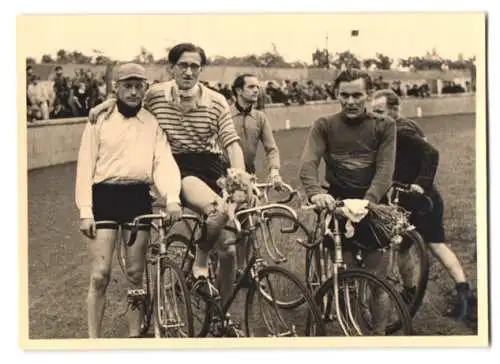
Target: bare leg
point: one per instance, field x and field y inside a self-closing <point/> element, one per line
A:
<point x="101" y="251"/>
<point x="135" y="269"/>
<point x="449" y="261"/>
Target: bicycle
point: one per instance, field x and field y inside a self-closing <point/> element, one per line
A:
<point x="329" y="278"/>
<point x="165" y="287"/>
<point x="279" y="228"/>
<point x="216" y="321"/>
<point x="414" y="249"/>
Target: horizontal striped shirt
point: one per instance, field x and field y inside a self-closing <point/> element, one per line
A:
<point x="125" y="150"/>
<point x="207" y="127"/>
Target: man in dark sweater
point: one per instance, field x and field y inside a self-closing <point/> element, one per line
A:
<point x="359" y="150"/>
<point x="358" y="147"/>
<point x="416" y="165"/>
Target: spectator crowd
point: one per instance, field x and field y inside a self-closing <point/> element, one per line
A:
<point x="63" y="96"/>
<point x="73" y="96"/>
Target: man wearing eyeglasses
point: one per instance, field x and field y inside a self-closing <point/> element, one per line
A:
<point x="199" y="129"/>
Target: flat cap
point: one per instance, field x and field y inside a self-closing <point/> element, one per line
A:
<point x="130" y="70"/>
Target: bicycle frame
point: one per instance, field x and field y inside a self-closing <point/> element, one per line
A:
<point x="337" y="262"/>
<point x="155" y="252"/>
<point x="255" y="217"/>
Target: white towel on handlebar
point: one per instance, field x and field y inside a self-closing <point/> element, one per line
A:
<point x="354" y="210"/>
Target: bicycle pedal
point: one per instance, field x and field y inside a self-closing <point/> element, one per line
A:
<point x="234" y="332"/>
<point x="205" y="288"/>
<point x="136" y="292"/>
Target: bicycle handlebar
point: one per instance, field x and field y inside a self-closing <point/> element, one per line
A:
<point x="134" y="225"/>
<point x="403" y="187"/>
<point x="260" y="209"/>
<point x="292" y="192"/>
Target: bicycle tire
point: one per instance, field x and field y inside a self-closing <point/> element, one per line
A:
<point x="418" y="242"/>
<point x="405" y="318"/>
<point x="299" y="226"/>
<point x="185" y="263"/>
<point x="148" y="310"/>
<point x="314" y="315"/>
<point x="164" y="264"/>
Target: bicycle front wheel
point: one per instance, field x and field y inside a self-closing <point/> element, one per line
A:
<point x="280" y="235"/>
<point x="358" y="303"/>
<point x="172" y="306"/>
<point x="264" y="317"/>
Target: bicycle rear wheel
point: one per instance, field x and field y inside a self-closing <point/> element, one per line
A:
<point x="264" y="317"/>
<point x="361" y="305"/>
<point x="413" y="268"/>
<point x="172" y="306"/>
<point x="182" y="253"/>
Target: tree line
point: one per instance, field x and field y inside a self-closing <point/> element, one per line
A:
<point x="319" y="59"/>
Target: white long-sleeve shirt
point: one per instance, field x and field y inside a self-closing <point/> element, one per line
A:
<point x="125" y="150"/>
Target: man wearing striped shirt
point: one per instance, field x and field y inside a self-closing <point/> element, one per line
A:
<point x="200" y="130"/>
<point x="120" y="157"/>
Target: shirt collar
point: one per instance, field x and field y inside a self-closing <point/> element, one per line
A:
<point x="202" y="100"/>
<point x="141" y="115"/>
<point x="238" y="110"/>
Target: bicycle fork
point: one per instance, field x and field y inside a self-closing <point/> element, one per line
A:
<point x="168" y="320"/>
<point x="347" y="322"/>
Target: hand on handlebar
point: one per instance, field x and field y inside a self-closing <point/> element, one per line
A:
<point x="323" y="201"/>
<point x="417" y="188"/>
<point x="277" y="182"/>
<point x="173" y="212"/>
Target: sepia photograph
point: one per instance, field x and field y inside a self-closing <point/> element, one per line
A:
<point x="259" y="180"/>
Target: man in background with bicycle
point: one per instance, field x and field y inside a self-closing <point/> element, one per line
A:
<point x="253" y="128"/>
<point x="198" y="125"/>
<point x="120" y="157"/>
<point x="416" y="164"/>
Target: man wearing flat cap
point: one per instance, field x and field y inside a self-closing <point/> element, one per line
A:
<point x="121" y="156"/>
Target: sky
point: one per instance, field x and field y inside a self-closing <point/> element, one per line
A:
<point x="295" y="36"/>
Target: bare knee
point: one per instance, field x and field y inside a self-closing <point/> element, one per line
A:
<point x="99" y="280"/>
<point x="217" y="214"/>
<point x="217" y="218"/>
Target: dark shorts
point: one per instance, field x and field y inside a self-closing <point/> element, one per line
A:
<point x="120" y="203"/>
<point x="431" y="224"/>
<point x="208" y="167"/>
